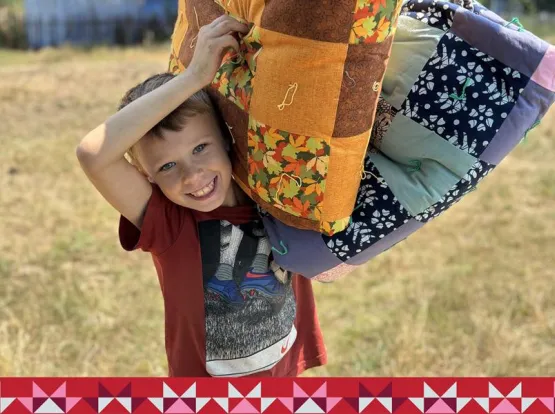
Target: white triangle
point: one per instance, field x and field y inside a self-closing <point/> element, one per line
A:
<point x="364" y="402"/>
<point x="527" y="402"/>
<point x="516" y="392"/>
<point x="103" y="402"/>
<point x="191" y="392"/>
<point x="168" y="392"/>
<point x="49" y="407"/>
<point x="494" y="392"/>
<point x="265" y="403"/>
<point x="233" y="393"/>
<point x="418" y="402"/>
<point x="461" y="402"/>
<point x="483" y="402"/>
<point x="256" y="392"/>
<point x="126" y="402"/>
<point x="310" y="407"/>
<point x="157" y="402"/>
<point x="223" y="402"/>
<point x="5" y="403"/>
<point x="429" y="393"/>
<point x="387" y="402"/>
<point x="451" y="392"/>
<point x="201" y="402"/>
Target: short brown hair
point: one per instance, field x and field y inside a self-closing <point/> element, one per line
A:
<point x="198" y="103"/>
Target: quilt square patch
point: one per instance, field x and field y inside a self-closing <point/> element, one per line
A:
<point x="464" y="95"/>
<point x="468" y="184"/>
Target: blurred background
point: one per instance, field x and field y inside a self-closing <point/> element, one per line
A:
<point x="469" y="294"/>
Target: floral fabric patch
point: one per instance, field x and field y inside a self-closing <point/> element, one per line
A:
<point x="464" y="95"/>
<point x="234" y="78"/>
<point x="374" y="20"/>
<point x="288" y="170"/>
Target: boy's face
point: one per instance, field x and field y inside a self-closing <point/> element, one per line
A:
<point x="192" y="166"/>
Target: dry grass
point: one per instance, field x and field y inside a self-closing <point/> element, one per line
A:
<point x="470" y="294"/>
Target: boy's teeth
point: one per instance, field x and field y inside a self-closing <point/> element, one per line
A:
<point x="203" y="191"/>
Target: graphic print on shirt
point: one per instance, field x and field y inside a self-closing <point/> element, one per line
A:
<point x="249" y="313"/>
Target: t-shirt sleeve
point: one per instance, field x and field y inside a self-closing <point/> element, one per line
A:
<point x="163" y="223"/>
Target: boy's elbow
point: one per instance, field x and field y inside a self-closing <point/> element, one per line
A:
<point x="86" y="155"/>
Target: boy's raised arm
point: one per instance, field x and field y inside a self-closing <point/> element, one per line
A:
<point x="101" y="153"/>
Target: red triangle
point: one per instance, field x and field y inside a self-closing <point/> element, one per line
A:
<point x="375" y="407"/>
<point x="125" y="392"/>
<point x="472" y="407"/>
<point x="136" y="402"/>
<point x="363" y="392"/>
<point x="93" y="402"/>
<point x="103" y="392"/>
<point x="37" y="402"/>
<point x="353" y="402"/>
<point x="115" y="407"/>
<point x="387" y="392"/>
<point x="397" y="402"/>
<point x="504" y="385"/>
<point x="516" y="402"/>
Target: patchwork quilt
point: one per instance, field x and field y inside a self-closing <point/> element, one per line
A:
<point x="462" y="88"/>
<point x="299" y="100"/>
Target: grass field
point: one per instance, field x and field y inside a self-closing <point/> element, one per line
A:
<point x="470" y="294"/>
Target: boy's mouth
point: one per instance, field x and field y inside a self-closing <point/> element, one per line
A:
<point x="205" y="192"/>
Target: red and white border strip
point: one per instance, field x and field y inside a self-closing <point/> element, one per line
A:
<point x="300" y="395"/>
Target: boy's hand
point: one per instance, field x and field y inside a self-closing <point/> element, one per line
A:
<point x="213" y="40"/>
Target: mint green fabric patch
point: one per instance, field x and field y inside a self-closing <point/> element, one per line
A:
<point x="414" y="45"/>
<point x="419" y="166"/>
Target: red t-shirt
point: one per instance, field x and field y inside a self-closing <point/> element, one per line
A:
<point x="226" y="314"/>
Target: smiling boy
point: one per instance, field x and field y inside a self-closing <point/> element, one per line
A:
<point x="226" y="312"/>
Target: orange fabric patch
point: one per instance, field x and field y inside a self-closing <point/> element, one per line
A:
<point x="297" y="84"/>
<point x="346" y="158"/>
<point x="246" y="10"/>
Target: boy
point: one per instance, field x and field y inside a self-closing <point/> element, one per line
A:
<point x="226" y="313"/>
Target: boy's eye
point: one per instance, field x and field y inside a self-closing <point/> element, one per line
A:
<point x="167" y="166"/>
<point x="199" y="148"/>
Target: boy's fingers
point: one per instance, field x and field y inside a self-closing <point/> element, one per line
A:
<point x="227" y="41"/>
<point x="224" y="25"/>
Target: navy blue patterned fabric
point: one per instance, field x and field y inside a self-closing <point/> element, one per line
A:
<point x="478" y="172"/>
<point x="378" y="213"/>
<point x="435" y="13"/>
<point x="464" y="95"/>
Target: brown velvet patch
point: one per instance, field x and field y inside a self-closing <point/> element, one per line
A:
<point x="207" y="12"/>
<point x="364" y="70"/>
<point x="324" y="20"/>
<point x="236" y="131"/>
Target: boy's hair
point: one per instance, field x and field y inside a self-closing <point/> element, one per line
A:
<point x="198" y="103"/>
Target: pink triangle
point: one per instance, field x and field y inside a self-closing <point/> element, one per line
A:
<point x="332" y="402"/>
<point x="298" y="391"/>
<point x="549" y="402"/>
<point x="505" y="407"/>
<point x="322" y="392"/>
<point x="179" y="407"/>
<point x="288" y="402"/>
<point x="440" y="407"/>
<point x="245" y="407"/>
<point x="70" y="403"/>
<point x="37" y="392"/>
<point x="60" y="392"/>
<point x="27" y="403"/>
